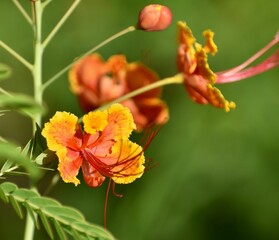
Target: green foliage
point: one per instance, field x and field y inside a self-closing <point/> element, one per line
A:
<point x="65" y="220"/>
<point x="10" y="155"/>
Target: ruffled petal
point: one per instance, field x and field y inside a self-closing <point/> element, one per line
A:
<point x="60" y="130"/>
<point x="130" y="160"/>
<point x="69" y="164"/>
<point x="120" y="123"/>
<point x="95" y="121"/>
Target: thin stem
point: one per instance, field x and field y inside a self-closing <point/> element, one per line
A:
<point x="23" y="12"/>
<point x="16" y="55"/>
<point x="61" y="72"/>
<point x="176" y="79"/>
<point x="61" y="22"/>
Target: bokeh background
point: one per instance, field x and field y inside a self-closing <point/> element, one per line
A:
<point x="218" y="173"/>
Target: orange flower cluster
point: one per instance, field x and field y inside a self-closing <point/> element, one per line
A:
<point x="97" y="82"/>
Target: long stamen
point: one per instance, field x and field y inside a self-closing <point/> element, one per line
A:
<point x="251" y="59"/>
<point x="271" y="62"/>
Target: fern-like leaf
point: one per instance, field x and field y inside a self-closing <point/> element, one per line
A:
<point x="64" y="220"/>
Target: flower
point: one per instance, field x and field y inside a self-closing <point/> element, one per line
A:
<point x="97" y="82"/>
<point x="199" y="79"/>
<point x="154" y="17"/>
<point x="102" y="149"/>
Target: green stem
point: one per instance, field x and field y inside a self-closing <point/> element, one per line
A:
<point x="23" y="12"/>
<point x="29" y="225"/>
<point x="61" y="72"/>
<point x="176" y="79"/>
<point x="16" y="55"/>
<point x="38" y="55"/>
<point x="60" y="23"/>
<point x="38" y="94"/>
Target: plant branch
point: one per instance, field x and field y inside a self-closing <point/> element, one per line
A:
<point x="23" y="12"/>
<point x="60" y="23"/>
<point x="61" y="72"/>
<point x="16" y="55"/>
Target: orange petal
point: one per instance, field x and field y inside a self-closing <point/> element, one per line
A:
<point x="60" y="130"/>
<point x="148" y="111"/>
<point x="184" y="35"/>
<point x="69" y="166"/>
<point x="137" y="76"/>
<point x="202" y="92"/>
<point x="130" y="160"/>
<point x="86" y="73"/>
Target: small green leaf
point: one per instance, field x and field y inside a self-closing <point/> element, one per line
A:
<point x="64" y="212"/>
<point x="45" y="157"/>
<point x="39" y="142"/>
<point x="6" y="166"/>
<point x="5" y="71"/>
<point x="42" y="202"/>
<point x="46" y="224"/>
<point x="16" y="206"/>
<point x="59" y="230"/>
<point x="9" y="151"/>
<point x="75" y="234"/>
<point x="32" y="214"/>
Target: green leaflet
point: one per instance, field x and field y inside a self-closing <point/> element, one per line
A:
<point x="54" y="216"/>
<point x="10" y="151"/>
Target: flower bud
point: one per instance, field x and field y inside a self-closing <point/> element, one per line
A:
<point x="154" y="17"/>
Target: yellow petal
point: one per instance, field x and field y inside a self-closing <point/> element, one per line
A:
<point x="130" y="162"/>
<point x="60" y="130"/>
<point x="120" y="123"/>
<point x="95" y="121"/>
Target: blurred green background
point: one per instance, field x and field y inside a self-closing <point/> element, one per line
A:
<point x="218" y="176"/>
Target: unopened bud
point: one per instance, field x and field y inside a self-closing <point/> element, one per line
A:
<point x="154" y="17"/>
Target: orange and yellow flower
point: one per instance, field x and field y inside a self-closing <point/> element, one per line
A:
<point x="97" y="82"/>
<point x="101" y="148"/>
<point x="199" y="79"/>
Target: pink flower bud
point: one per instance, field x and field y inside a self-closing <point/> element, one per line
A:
<point x="154" y="17"/>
